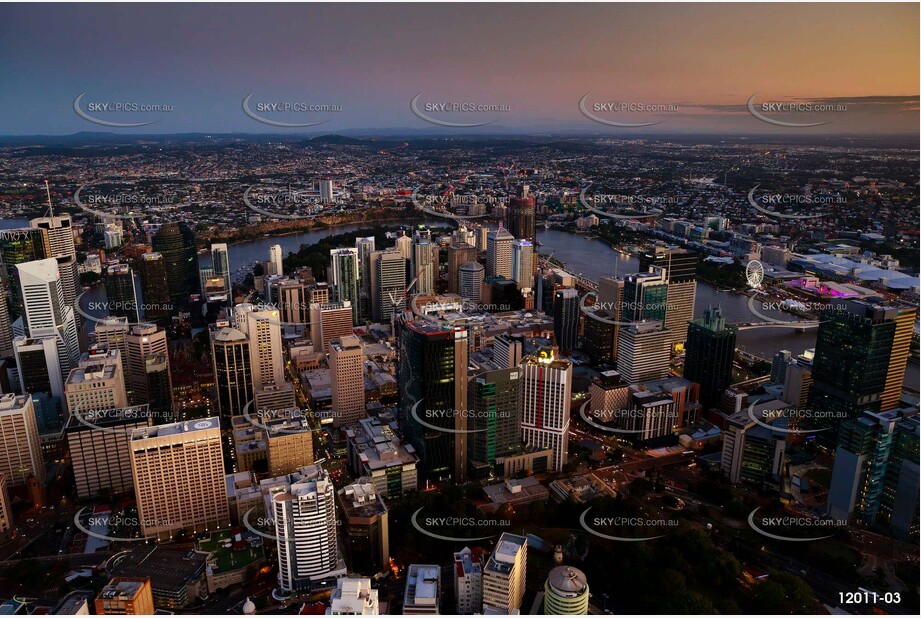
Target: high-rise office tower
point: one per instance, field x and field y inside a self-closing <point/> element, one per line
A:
<point x="853" y="349"/>
<point x="432" y="379"/>
<point x="329" y="321"/>
<point x="265" y="350"/>
<point x="345" y="275"/>
<point x="898" y="358"/>
<point x="303" y="506"/>
<point x="494" y="401"/>
<point x="458" y="255"/>
<point x="709" y="354"/>
<point x="367" y="527"/>
<point x="220" y="264"/>
<point x="424" y="261"/>
<point x="680" y="266"/>
<point x="899" y="503"/>
<point x="121" y="298"/>
<point x="499" y="253"/>
<point x="507" y="351"/>
<point x="504" y="576"/>
<point x="97" y="383"/>
<point x="232" y="375"/>
<point x="6" y="515"/>
<point x="6" y="325"/>
<point x="645" y="296"/>
<point x="523" y="263"/>
<point x="521" y="215"/>
<point x="178" y="472"/>
<point x="19" y="441"/>
<point x="797" y="382"/>
<point x="566" y="319"/>
<point x="388" y="284"/>
<point x="347" y="369"/>
<point x="470" y="281"/>
<point x="404" y="244"/>
<point x="468" y="580"/>
<point x="365" y="247"/>
<point x="874" y="451"/>
<point x="59" y="243"/>
<point x="159" y="388"/>
<point x="38" y="365"/>
<point x="752" y="452"/>
<point x="291" y="299"/>
<point x="142" y="342"/>
<point x="44" y="312"/>
<point x="289" y="445"/>
<point x="18" y="246"/>
<point x="276" y="259"/>
<point x="176" y="242"/>
<point x="546" y="392"/>
<point x="101" y="463"/>
<point x="154" y="288"/>
<point x="643" y="352"/>
<point x="566" y="592"/>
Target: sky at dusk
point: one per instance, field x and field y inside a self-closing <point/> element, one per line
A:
<point x="690" y="69"/>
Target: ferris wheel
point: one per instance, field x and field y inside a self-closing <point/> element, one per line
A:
<point x="754" y="273"/>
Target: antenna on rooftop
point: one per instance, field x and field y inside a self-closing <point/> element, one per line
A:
<point x="50" y="206"/>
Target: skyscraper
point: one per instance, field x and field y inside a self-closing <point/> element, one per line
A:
<point x="546" y="396"/>
<point x="59" y="243"/>
<point x="176" y="242"/>
<point x="468" y="580"/>
<point x="232" y="376"/>
<point x="458" y="255"/>
<point x="18" y="246"/>
<point x="142" y="342"/>
<point x="121" y="298"/>
<point x="220" y="264"/>
<point x="178" y="472"/>
<point x="155" y="290"/>
<point x="645" y="296"/>
<point x="499" y="253"/>
<point x="45" y="313"/>
<point x="276" y="261"/>
<point x="898" y="357"/>
<point x="523" y="263"/>
<point x="424" y="261"/>
<point x="471" y="276"/>
<point x="19" y="441"/>
<point x="504" y="576"/>
<point x="853" y="350"/>
<point x="367" y="527"/>
<point x="432" y="379"/>
<point x="861" y="462"/>
<point x="345" y="276"/>
<point x="680" y="266"/>
<point x="329" y="321"/>
<point x="709" y="354"/>
<point x="643" y="352"/>
<point x="566" y="319"/>
<point x="521" y="215"/>
<point x="39" y="366"/>
<point x="96" y="383"/>
<point x="388" y="284"/>
<point x="347" y="368"/>
<point x="494" y="401"/>
<point x="365" y="247"/>
<point x="266" y="361"/>
<point x="303" y="507"/>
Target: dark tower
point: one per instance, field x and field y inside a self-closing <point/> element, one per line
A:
<point x="176" y="242"/>
<point x="709" y="353"/>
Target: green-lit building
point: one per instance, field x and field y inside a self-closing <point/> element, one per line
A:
<point x="495" y="414"/>
<point x="851" y="363"/>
